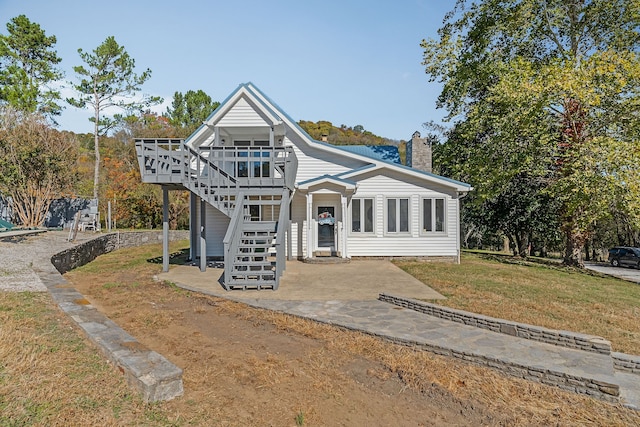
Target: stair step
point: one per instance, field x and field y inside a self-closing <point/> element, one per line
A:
<point x="251" y="251"/>
<point x="251" y="278"/>
<point x="255" y="247"/>
<point x="263" y="261"/>
<point x="259" y="227"/>
<point x="268" y="262"/>
<point x="258" y="234"/>
<point x="270" y="285"/>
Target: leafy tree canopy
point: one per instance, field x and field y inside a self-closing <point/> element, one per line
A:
<point x="37" y="164"/>
<point x="549" y="88"/>
<point x="27" y="66"/>
<point x="190" y="110"/>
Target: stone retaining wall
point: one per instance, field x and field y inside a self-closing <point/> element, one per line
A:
<point x="84" y="253"/>
<point x="550" y="336"/>
<point x="150" y="373"/>
<point x="626" y="363"/>
<point x="602" y="390"/>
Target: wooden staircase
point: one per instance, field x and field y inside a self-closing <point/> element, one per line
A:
<point x="254" y="261"/>
<point x="254" y="250"/>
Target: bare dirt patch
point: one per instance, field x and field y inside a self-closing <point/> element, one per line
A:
<point x="242" y="369"/>
<point x="244" y="366"/>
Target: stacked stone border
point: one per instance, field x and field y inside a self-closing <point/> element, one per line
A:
<point x="600" y="389"/>
<point x="626" y="363"/>
<point x="86" y="252"/>
<point x="621" y="361"/>
<point x="535" y="333"/>
<point x="149" y="373"/>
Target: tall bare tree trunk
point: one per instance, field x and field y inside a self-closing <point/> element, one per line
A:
<point x="96" y="144"/>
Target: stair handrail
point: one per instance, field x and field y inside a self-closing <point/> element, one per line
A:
<point x="281" y="231"/>
<point x="231" y="239"/>
<point x="225" y="184"/>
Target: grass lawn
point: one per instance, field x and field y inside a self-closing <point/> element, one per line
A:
<point x="50" y="375"/>
<point x="541" y="295"/>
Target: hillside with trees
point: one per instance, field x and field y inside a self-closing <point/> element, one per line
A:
<point x="325" y="131"/>
<point x="343" y="135"/>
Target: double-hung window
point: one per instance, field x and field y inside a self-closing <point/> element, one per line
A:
<point x="398" y="215"/>
<point x="433" y="215"/>
<point x="362" y="215"/>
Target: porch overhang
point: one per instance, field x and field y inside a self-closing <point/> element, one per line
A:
<point x="341" y="185"/>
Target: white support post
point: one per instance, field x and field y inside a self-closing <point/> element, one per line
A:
<point x="203" y="237"/>
<point x="310" y="223"/>
<point x="109" y="216"/>
<point x="343" y="237"/>
<point x="165" y="229"/>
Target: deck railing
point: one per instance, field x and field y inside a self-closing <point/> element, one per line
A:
<point x="171" y="161"/>
<point x="282" y="229"/>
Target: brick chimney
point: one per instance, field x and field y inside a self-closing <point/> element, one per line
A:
<point x="419" y="152"/>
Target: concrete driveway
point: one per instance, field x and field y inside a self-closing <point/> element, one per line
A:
<point x="630" y="274"/>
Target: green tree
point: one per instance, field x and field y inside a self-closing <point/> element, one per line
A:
<point x="551" y="88"/>
<point x="27" y="66"/>
<point x="139" y="204"/>
<point x="37" y="164"/>
<point x="108" y="81"/>
<point x="190" y="110"/>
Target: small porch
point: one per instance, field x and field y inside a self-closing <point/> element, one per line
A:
<point x="326" y="214"/>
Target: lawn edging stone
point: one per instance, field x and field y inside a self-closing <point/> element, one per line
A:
<point x="628" y="363"/>
<point x="574" y="340"/>
<point x="153" y="376"/>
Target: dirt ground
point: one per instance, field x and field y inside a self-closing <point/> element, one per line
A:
<point x="240" y="369"/>
<point x="244" y="366"/>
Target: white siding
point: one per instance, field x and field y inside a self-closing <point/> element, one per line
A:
<point x="242" y="114"/>
<point x="313" y="162"/>
<point x="215" y="228"/>
<point x="380" y="187"/>
<point x="298" y="216"/>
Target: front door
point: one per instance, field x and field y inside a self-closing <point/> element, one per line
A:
<point x="326" y="228"/>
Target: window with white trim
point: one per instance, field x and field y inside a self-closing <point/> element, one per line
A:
<point x="362" y="216"/>
<point x="398" y="215"/>
<point x="434" y="215"/>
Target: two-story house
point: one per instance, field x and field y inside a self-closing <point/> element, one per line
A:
<point x="263" y="191"/>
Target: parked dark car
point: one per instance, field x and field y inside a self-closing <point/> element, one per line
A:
<point x="622" y="256"/>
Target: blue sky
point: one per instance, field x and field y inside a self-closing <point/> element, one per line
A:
<point x="348" y="62"/>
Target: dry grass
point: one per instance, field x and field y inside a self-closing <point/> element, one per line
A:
<point x="521" y="402"/>
<point x="540" y="295"/>
<point x="49" y="374"/>
<point x="76" y="386"/>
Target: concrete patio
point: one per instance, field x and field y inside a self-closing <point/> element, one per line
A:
<point x="357" y="280"/>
